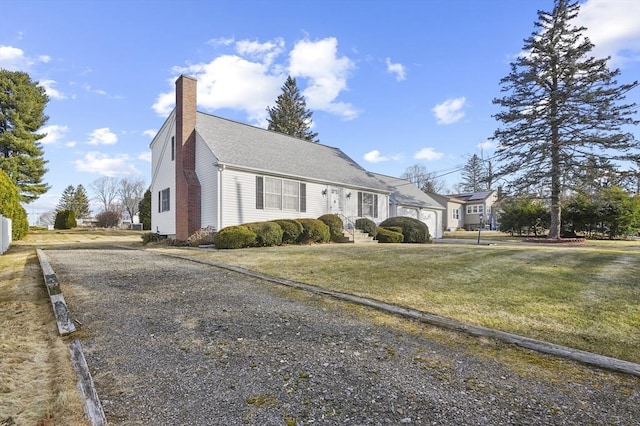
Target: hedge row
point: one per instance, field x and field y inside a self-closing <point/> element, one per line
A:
<point x="278" y="232"/>
<point x="326" y="228"/>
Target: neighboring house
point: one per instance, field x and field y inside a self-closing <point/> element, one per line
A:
<point x="408" y="200"/>
<point x="466" y="210"/>
<point x="212" y="172"/>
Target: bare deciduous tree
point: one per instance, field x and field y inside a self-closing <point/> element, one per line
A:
<point x="106" y="191"/>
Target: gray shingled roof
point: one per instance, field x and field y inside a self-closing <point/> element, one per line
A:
<point x="240" y="145"/>
<point x="406" y="193"/>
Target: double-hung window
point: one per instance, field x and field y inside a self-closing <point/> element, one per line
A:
<point x="367" y="204"/>
<point x="280" y="194"/>
<point x="455" y="214"/>
<point x="272" y="193"/>
<point x="163" y="200"/>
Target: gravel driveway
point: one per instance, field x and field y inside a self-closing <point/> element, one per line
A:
<point x="173" y="342"/>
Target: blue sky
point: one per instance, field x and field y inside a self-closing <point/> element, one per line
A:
<point x="392" y="83"/>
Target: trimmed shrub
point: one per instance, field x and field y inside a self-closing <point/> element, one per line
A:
<point x="394" y="228"/>
<point x="314" y="231"/>
<point x="11" y="208"/>
<point x="414" y="231"/>
<point x="234" y="237"/>
<point x="65" y="219"/>
<point x="267" y="233"/>
<point x="336" y="227"/>
<point x="291" y="230"/>
<point x="386" y="235"/>
<point x="367" y="225"/>
<point x="107" y="219"/>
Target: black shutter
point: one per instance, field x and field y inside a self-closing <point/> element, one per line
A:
<point x="303" y="197"/>
<point x="259" y="193"/>
<point x="159" y="201"/>
<point x="359" y="204"/>
<point x="375" y="205"/>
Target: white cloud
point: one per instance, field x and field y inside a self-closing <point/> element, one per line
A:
<point x="251" y="79"/>
<point x="613" y="27"/>
<point x="264" y="52"/>
<point x="70" y="144"/>
<point x="54" y="134"/>
<point x="15" y="59"/>
<point x="102" y="136"/>
<point x="327" y="73"/>
<point x="449" y="111"/>
<point x="486" y="145"/>
<point x="397" y="69"/>
<point x="104" y="165"/>
<point x="150" y="132"/>
<point x="375" y="157"/>
<point x="428" y="154"/>
<point x="228" y="81"/>
<point x="51" y="91"/>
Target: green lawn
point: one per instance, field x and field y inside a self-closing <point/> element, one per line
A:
<point x="584" y="296"/>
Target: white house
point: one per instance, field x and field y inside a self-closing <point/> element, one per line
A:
<point x="408" y="200"/>
<point x="469" y="210"/>
<point x="208" y="171"/>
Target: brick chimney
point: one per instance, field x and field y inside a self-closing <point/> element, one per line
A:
<point x="187" y="184"/>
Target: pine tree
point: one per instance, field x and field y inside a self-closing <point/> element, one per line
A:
<point x="75" y="200"/>
<point x="22" y="104"/>
<point x="561" y="105"/>
<point x="290" y="115"/>
<point x="66" y="199"/>
<point x="81" y="203"/>
<point x="474" y="175"/>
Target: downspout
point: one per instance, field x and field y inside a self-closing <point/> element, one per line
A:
<point x="219" y="198"/>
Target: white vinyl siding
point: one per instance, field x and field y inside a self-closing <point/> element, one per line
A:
<point x="208" y="173"/>
<point x="163" y="176"/>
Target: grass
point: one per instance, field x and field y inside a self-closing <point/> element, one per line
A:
<point x="584" y="296"/>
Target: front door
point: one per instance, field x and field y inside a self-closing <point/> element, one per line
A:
<point x="336" y="201"/>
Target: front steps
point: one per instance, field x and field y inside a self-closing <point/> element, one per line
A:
<point x="357" y="236"/>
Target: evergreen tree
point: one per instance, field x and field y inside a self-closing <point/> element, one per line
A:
<point x="561" y="105"/>
<point x="474" y="176"/>
<point x="81" y="203"/>
<point x="10" y="207"/>
<point x="144" y="208"/>
<point x="66" y="199"/>
<point x="76" y="200"/>
<point x="22" y="104"/>
<point x="290" y="115"/>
